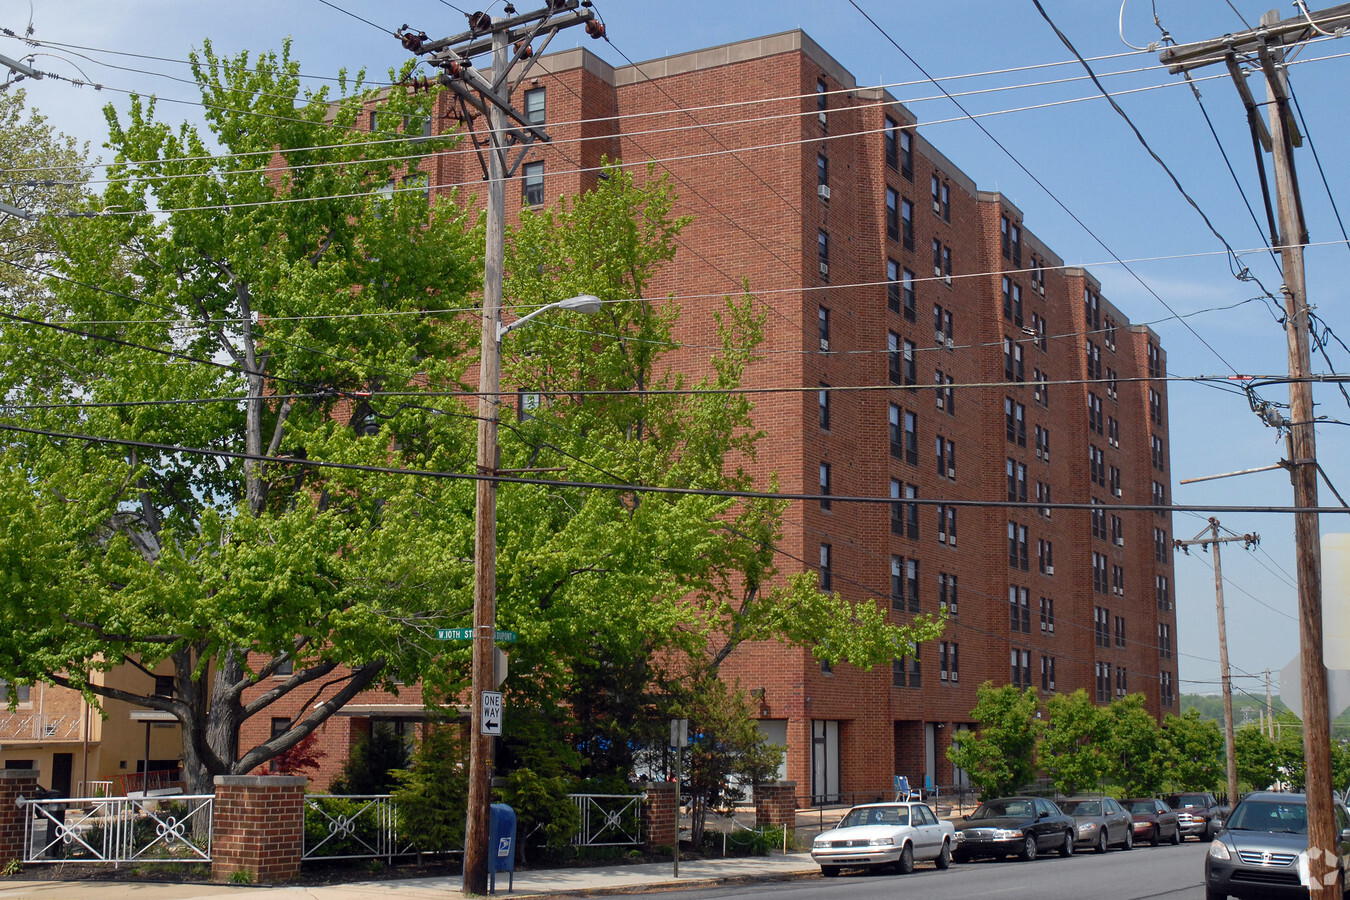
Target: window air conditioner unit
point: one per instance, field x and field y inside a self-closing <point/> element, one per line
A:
<point x="1118" y="492"/>
<point x="1050" y="570"/>
<point x="824" y="268"/>
<point x="951" y="541"/>
<point x="820" y="117"/>
<point x="951" y="344"/>
<point x="823" y="190"/>
<point x="825" y="344"/>
<point x="937" y="207"/>
<point x="942" y="538"/>
<point x="947" y="279"/>
<point x="951" y="472"/>
<point x="1120" y="542"/>
<point x="939" y="338"/>
<point x="937" y="271"/>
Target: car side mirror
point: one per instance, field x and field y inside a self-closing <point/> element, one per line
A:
<point x="966" y="816"/>
<point x="1345" y="835"/>
<point x="1042" y="815"/>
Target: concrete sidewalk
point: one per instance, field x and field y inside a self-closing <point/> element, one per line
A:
<point x="590" y="881"/>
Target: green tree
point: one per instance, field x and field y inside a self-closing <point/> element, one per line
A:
<point x="1193" y="749"/>
<point x="1000" y="755"/>
<point x="1257" y="760"/>
<point x="1134" y="753"/>
<point x="261" y="291"/>
<point x="372" y="762"/>
<point x="1074" y="747"/>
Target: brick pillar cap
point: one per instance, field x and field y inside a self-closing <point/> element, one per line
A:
<point x="16" y="774"/>
<point x="791" y="784"/>
<point x="261" y="781"/>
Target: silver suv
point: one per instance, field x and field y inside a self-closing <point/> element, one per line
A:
<point x="1258" y="854"/>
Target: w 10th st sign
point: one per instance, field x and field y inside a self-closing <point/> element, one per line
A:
<point x="500" y="636"/>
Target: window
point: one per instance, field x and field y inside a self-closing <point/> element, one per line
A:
<point x="1113" y="431"/>
<point x="907" y="155"/>
<point x="892" y="214"/>
<point x="1040" y="389"/>
<point x="1117" y="531"/>
<point x="1047" y="615"/>
<point x="905" y="584"/>
<point x="823" y="174"/>
<point x="1155" y="408"/>
<point x="1164" y="640"/>
<point x="1166" y="696"/>
<point x="897" y="436"/>
<point x="937" y="258"/>
<point x="1113" y="483"/>
<point x="826" y="576"/>
<point x="908" y="294"/>
<point x="1122" y="687"/>
<point x="1019" y="609"/>
<point x="1096" y="465"/>
<point x="1017" y="547"/>
<point x="1012" y="241"/>
<point x="911" y="370"/>
<point x="1012" y="302"/>
<point x="894" y="370"/>
<point x="1120" y="631"/>
<point x="1163" y="592"/>
<point x="823" y="252"/>
<point x="285" y="667"/>
<point x="1037" y="275"/>
<point x="1047" y="673"/>
<point x="164" y="685"/>
<point x="1038" y="329"/>
<point x="534" y="106"/>
<point x="824" y="485"/>
<point x="1094" y="413"/>
<point x="533" y="183"/>
<point x="1012" y="361"/>
<point x="891" y="143"/>
<point x="947" y="264"/>
<point x="1092" y="309"/>
<point x="944" y="330"/>
<point x="905" y="672"/>
<point x="949" y="661"/>
<point x="1160" y="498"/>
<point x="942" y="200"/>
<point x="1043" y="443"/>
<point x="946" y="525"/>
<point x="911" y="513"/>
<point x="1017" y="481"/>
<point x="897" y="510"/>
<point x="1094" y="360"/>
<point x="911" y="438"/>
<point x="946" y="458"/>
<point x="21" y="692"/>
<point x="1045" y="556"/>
<point x="1015" y="419"/>
<point x="1103" y="682"/>
<point x="1109" y="334"/>
<point x="1101" y="626"/>
<point x="946" y="394"/>
<point x="1158" y="452"/>
<point x="822" y="103"/>
<point x="1098" y="519"/>
<point x="1043" y="496"/>
<point x="823" y="327"/>
<point x="1021" y="668"/>
<point x="1111" y="383"/>
<point x="894" y="286"/>
<point x="1155" y="366"/>
<point x="823" y="402"/>
<point x="947" y="590"/>
<point x="1099" y="565"/>
<point x="1161" y="546"/>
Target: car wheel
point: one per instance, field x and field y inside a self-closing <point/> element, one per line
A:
<point x="1101" y="841"/>
<point x="1129" y="839"/>
<point x="1156" y="839"/>
<point x="905" y="865"/>
<point x="1028" y="848"/>
<point x="830" y="871"/>
<point x="944" y="859"/>
<point x="1066" y="849"/>
<point x="1210" y="831"/>
<point x="960" y="857"/>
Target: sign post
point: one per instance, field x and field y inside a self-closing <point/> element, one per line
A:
<point x="679" y="739"/>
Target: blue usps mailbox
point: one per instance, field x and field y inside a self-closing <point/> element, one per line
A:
<point x="502" y="845"/>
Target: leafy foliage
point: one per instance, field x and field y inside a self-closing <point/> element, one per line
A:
<point x="1074" y="746"/>
<point x="1194" y="751"/>
<point x="432" y="796"/>
<point x="372" y="761"/>
<point x="1000" y="756"/>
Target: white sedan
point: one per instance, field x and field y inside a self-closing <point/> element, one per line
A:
<point x="885" y="834"/>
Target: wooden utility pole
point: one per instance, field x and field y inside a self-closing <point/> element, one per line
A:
<point x="509" y="41"/>
<point x="1225" y="675"/>
<point x="1270" y="709"/>
<point x="1263" y="48"/>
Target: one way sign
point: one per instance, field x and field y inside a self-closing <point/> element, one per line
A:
<point x="492" y="713"/>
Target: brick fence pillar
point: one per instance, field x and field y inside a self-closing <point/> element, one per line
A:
<point x="14" y="783"/>
<point x="776" y="804"/>
<point x="661" y="814"/>
<point x="259" y="827"/>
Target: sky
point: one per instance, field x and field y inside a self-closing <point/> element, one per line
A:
<point x="1072" y="165"/>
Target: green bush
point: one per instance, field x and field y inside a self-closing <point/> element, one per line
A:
<point x="433" y="795"/>
<point x="320" y="813"/>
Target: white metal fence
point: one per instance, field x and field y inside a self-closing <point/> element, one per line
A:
<point x="609" y="820"/>
<point x="355" y="826"/>
<point x="119" y="830"/>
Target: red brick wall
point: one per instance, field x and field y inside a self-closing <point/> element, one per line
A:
<point x="259" y="827"/>
<point x="661" y="814"/>
<point x="14" y="783"/>
<point x="776" y="804"/>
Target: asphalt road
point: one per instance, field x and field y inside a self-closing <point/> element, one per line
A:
<point x="1174" y="873"/>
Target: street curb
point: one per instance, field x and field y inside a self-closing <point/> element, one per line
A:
<point x="679" y="885"/>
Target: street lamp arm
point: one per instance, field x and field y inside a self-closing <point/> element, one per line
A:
<point x="582" y="303"/>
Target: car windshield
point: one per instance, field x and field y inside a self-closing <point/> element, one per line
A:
<point x="1086" y="808"/>
<point x="1183" y="801"/>
<point x="1270" y="815"/>
<point x="876" y="815"/>
<point x="1142" y="806"/>
<point x="997" y="809"/>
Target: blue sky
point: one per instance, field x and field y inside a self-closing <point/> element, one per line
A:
<point x="1082" y="152"/>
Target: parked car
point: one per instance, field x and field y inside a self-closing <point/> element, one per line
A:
<point x="1154" y="820"/>
<point x="1025" y="826"/>
<point x="885" y="834"/>
<point x="1199" y="813"/>
<point x="1100" y="823"/>
<point x="1257" y="854"/>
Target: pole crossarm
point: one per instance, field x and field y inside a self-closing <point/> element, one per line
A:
<point x="1282" y="33"/>
<point x="483" y="36"/>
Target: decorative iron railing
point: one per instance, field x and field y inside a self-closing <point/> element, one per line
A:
<point x="609" y="820"/>
<point x="356" y="826"/>
<point x="119" y="830"/>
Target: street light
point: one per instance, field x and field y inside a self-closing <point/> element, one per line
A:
<point x="485" y="578"/>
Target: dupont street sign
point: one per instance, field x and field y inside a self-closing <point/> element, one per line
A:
<point x="466" y="634"/>
<point x="492" y="713"/>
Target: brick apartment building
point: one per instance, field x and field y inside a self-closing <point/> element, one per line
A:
<point x="1026" y="385"/>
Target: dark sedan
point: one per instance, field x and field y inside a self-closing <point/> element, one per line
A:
<point x="1154" y="820"/>
<point x="1025" y="826"/>
<point x="1257" y="855"/>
